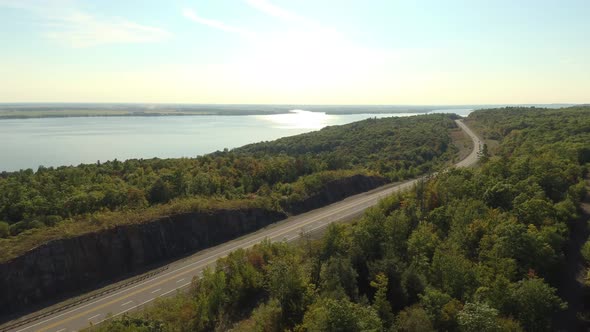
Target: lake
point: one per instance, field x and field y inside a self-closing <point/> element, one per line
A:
<point x="28" y="143"/>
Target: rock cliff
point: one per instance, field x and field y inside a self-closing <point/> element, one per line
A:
<point x="70" y="265"/>
<point x="335" y="191"/>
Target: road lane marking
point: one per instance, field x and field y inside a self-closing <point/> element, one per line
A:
<point x="62" y="330"/>
<point x="116" y="300"/>
<point x="181" y="280"/>
<point x="126" y="303"/>
<point x="157" y="290"/>
<point x="179" y="287"/>
<point x="93" y="317"/>
<point x="139" y="305"/>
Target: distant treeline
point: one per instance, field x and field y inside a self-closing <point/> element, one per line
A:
<point x="23" y="111"/>
<point x="46" y="204"/>
<point x="470" y="250"/>
<point x="53" y="110"/>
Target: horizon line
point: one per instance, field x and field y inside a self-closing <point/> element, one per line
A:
<point x="282" y="104"/>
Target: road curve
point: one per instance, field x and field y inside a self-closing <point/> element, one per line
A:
<point x="477" y="144"/>
<point x="180" y="273"/>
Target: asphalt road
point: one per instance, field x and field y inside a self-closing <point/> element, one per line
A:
<point x="180" y="273"/>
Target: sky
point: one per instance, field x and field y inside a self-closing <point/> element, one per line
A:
<point x="295" y="51"/>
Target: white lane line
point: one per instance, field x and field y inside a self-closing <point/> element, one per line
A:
<point x="62" y="330"/>
<point x="157" y="290"/>
<point x="180" y="280"/>
<point x="181" y="286"/>
<point x="126" y="303"/>
<point x="139" y="305"/>
<point x="93" y="317"/>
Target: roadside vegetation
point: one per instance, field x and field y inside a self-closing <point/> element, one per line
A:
<point x="52" y="203"/>
<point x="470" y="250"/>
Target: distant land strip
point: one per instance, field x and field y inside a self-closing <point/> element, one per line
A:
<point x="63" y="110"/>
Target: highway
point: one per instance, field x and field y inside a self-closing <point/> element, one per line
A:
<point x="179" y="274"/>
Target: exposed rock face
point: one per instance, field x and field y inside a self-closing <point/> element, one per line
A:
<point x="336" y="191"/>
<point x="69" y="265"/>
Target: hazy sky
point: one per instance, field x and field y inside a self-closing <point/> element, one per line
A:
<point x="295" y="52"/>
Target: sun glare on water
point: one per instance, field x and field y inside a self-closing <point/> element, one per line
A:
<point x="299" y="119"/>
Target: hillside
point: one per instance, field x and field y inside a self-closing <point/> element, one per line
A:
<point x="470" y="250"/>
<point x="51" y="203"/>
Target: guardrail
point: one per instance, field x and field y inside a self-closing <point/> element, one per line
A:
<point x="83" y="300"/>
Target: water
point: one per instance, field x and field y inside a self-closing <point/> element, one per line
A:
<point x="28" y="143"/>
<point x="459" y="111"/>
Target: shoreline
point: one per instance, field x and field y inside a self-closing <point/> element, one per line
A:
<point x="16" y="111"/>
<point x="141" y="114"/>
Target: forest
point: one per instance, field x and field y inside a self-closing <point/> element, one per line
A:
<point x="479" y="249"/>
<point x="50" y="203"/>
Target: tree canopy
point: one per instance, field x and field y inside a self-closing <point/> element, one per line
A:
<point x="469" y="250"/>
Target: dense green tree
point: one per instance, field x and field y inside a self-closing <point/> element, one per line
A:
<point x="454" y="273"/>
<point x="160" y="192"/>
<point x="244" y="280"/>
<point x="335" y="242"/>
<point x="422" y="242"/>
<point x="499" y="196"/>
<point x="484" y="154"/>
<point x="533" y="303"/>
<point x="133" y="324"/>
<point x="285" y="282"/>
<point x="338" y="278"/>
<point x="340" y="315"/>
<point x="413" y="319"/>
<point x="210" y="298"/>
<point x="265" y="318"/>
<point x="586" y="251"/>
<point x="478" y="317"/>
<point x="380" y="302"/>
<point x="4" y="229"/>
<point x="441" y="308"/>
